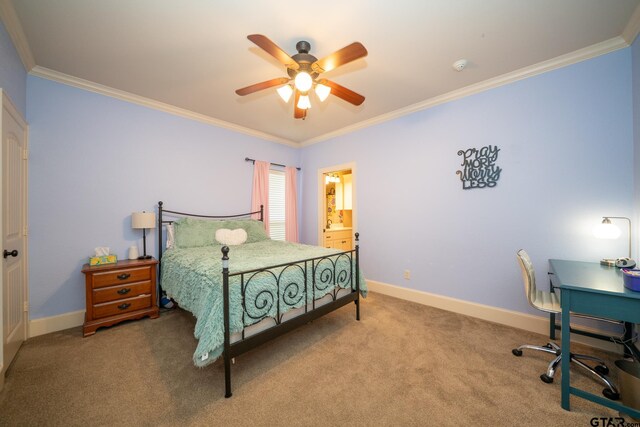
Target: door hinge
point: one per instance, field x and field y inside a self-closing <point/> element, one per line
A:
<point x="26" y="306"/>
<point x="25" y="231"/>
<point x="25" y="154"/>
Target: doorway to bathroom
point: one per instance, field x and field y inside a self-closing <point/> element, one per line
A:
<point x="337" y="219"/>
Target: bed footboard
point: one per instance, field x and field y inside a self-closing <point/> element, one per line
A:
<point x="320" y="276"/>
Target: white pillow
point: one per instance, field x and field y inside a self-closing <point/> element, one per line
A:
<point x="231" y="237"/>
<point x="171" y="237"/>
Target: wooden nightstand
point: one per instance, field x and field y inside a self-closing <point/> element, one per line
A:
<point x="122" y="291"/>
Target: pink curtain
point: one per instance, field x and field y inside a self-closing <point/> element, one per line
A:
<point x="260" y="194"/>
<point x="290" y="205"/>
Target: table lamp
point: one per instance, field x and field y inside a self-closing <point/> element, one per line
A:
<point x="143" y="220"/>
<point x="606" y="230"/>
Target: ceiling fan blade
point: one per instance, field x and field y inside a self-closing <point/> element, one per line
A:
<point x="343" y="56"/>
<point x="344" y="93"/>
<point x="298" y="113"/>
<point x="263" y="85"/>
<point x="272" y="49"/>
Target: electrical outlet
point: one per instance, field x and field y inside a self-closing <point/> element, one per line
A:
<point x="407" y="275"/>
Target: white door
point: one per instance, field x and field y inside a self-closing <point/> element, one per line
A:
<point x="14" y="178"/>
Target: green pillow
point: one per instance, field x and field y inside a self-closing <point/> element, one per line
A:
<point x="193" y="233"/>
<point x="254" y="228"/>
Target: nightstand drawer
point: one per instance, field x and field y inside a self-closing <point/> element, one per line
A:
<point x="121" y="306"/>
<point x="119" y="292"/>
<point x="117" y="277"/>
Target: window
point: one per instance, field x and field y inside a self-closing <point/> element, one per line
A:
<point x="276" y="205"/>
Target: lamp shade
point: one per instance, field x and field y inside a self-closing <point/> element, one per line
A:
<point x="285" y="92"/>
<point x="606" y="230"/>
<point x="303" y="102"/>
<point x="322" y="91"/>
<point x="143" y="220"/>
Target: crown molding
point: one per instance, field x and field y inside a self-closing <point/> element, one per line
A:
<point x="632" y="28"/>
<point x="523" y="73"/>
<point x="630" y="33"/>
<point x="66" y="79"/>
<point x="14" y="28"/>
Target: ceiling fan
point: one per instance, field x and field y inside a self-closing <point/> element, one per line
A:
<point x="304" y="69"/>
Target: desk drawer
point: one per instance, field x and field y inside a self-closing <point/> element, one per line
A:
<point x="117" y="277"/>
<point x="113" y="293"/>
<point x="121" y="306"/>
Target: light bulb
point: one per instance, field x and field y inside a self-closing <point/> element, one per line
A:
<point x="303" y="102"/>
<point x="285" y="92"/>
<point x="322" y="91"/>
<point x="303" y="81"/>
<point x="606" y="230"/>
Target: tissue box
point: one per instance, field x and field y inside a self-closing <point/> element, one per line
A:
<point x="631" y="279"/>
<point x="102" y="260"/>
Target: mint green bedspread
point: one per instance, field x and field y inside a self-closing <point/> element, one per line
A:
<point x="193" y="278"/>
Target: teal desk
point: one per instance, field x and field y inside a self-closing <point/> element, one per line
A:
<point x="590" y="288"/>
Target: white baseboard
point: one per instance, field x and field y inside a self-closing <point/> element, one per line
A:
<point x="46" y="325"/>
<point x="501" y="316"/>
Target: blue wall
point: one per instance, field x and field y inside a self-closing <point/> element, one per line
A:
<point x="13" y="77"/>
<point x="566" y="145"/>
<point x="96" y="159"/>
<point x="566" y="140"/>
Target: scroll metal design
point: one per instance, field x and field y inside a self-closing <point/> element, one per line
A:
<point x="271" y="292"/>
<point x="479" y="168"/>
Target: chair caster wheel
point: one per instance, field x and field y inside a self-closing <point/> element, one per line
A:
<point x="546" y="378"/>
<point x="602" y="370"/>
<point x="516" y="352"/>
<point x="610" y="394"/>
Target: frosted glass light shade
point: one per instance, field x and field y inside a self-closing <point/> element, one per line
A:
<point x="143" y="220"/>
<point x="303" y="81"/>
<point x="285" y="92"/>
<point x="322" y="91"/>
<point x="606" y="230"/>
<point x="303" y="102"/>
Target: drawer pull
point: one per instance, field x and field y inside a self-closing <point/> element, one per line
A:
<point x="124" y="276"/>
<point x="344" y="241"/>
<point x="124" y="291"/>
<point x="124" y="306"/>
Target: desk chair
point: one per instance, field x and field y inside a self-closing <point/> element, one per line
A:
<point x="550" y="302"/>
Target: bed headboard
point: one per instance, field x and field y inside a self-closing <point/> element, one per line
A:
<point x="175" y="214"/>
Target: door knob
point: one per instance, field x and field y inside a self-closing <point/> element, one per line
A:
<point x="12" y="253"/>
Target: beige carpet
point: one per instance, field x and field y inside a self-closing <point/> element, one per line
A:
<point x="402" y="364"/>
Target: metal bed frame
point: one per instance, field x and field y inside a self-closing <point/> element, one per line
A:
<point x="324" y="268"/>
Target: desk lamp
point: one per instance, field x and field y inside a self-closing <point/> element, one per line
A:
<point x="143" y="220"/>
<point x="606" y="230"/>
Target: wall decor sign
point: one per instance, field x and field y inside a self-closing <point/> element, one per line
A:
<point x="479" y="167"/>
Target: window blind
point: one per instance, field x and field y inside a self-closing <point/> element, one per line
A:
<point x="276" y="205"/>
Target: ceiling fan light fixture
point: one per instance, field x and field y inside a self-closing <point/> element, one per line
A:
<point x="304" y="103"/>
<point x="303" y="69"/>
<point x="285" y="92"/>
<point x="303" y="81"/>
<point x="322" y="91"/>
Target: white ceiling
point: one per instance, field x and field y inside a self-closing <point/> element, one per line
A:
<point x="189" y="56"/>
